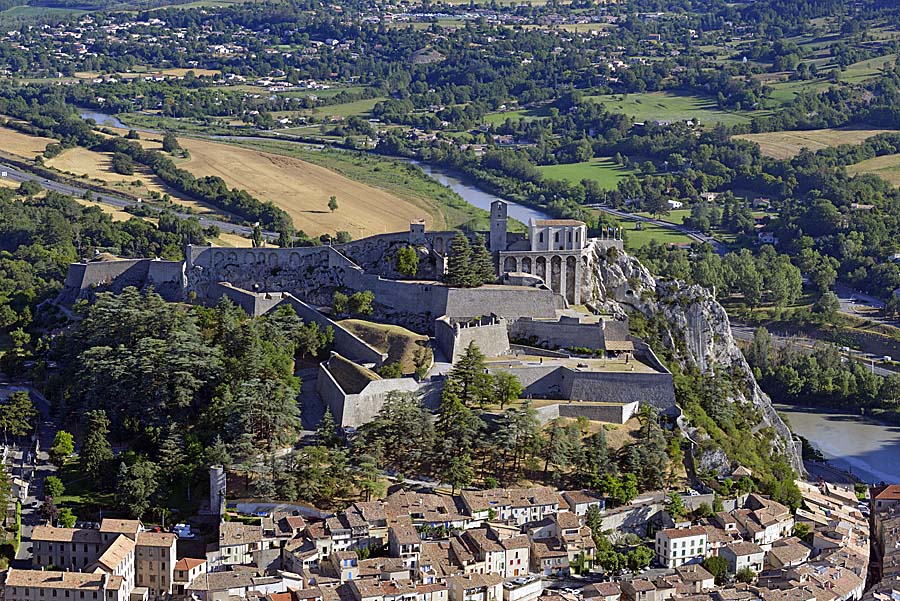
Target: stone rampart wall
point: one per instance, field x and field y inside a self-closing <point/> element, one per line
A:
<point x="656" y="390"/>
<point x="559" y="334"/>
<point x="354" y="410"/>
<point x="492" y="339"/>
<point x="503" y="301"/>
<point x="83" y="280"/>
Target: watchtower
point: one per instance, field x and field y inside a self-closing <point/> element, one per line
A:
<point x="498" y="226"/>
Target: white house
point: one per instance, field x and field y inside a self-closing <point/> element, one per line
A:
<point x="678" y="546"/>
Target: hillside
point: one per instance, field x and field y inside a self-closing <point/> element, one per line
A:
<point x="727" y="416"/>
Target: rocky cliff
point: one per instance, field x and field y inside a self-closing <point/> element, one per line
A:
<point x="695" y="331"/>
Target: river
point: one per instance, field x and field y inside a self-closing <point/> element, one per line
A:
<point x="455" y="181"/>
<point x="868" y="449"/>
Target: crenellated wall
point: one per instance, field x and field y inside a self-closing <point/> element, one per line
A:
<point x="490" y="336"/>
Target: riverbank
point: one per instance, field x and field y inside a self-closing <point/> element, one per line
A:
<point x="868" y="449"/>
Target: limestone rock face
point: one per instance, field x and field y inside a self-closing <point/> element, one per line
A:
<point x="697" y="329"/>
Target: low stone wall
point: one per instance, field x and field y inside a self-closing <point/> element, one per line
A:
<point x="610" y="413"/>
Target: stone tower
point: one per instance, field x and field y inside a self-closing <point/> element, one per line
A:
<point x="498" y="226"/>
<point x="217" y="490"/>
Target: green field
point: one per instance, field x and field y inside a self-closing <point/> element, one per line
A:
<point x="886" y="167"/>
<point x="518" y="115"/>
<point x="677" y="216"/>
<point x="600" y="169"/>
<point x="361" y="108"/>
<point x="635" y="238"/>
<point x="667" y="106"/>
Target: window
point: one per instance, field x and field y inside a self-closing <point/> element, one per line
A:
<point x="541" y="239"/>
<point x="556" y="237"/>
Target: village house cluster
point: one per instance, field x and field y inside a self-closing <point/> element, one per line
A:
<point x="503" y="544"/>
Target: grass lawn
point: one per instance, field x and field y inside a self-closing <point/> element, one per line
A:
<point x="677" y="216"/>
<point x="887" y="167"/>
<point x="668" y="106"/>
<point x="399" y="343"/>
<point x="863" y="70"/>
<point x="81" y="492"/>
<point x="517" y="115"/>
<point x="600" y="169"/>
<point x="635" y="238"/>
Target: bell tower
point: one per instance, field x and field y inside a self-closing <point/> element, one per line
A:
<point x="498" y="226"/>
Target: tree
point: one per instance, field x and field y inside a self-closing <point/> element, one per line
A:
<point x="703" y="511"/>
<point x="421" y="361"/>
<point x="360" y="303"/>
<point x="639" y="558"/>
<point x="482" y="263"/>
<point x="718" y="567"/>
<point x="136" y="486"/>
<point x="63" y="446"/>
<point x="745" y="575"/>
<point x="675" y="506"/>
<point x="66" y="518"/>
<point x="339" y="302"/>
<point x="217" y="453"/>
<point x="827" y="305"/>
<point x="456" y="429"/>
<point x="472" y="376"/>
<point x="170" y="144"/>
<point x="802" y="530"/>
<point x="459" y="263"/>
<point x="408" y="261"/>
<point x="17" y="414"/>
<point x="332" y="204"/>
<point x="53" y="487"/>
<point x="505" y="388"/>
<point x="391" y="370"/>
<point x="96" y="452"/>
<point x="368" y="483"/>
<point x="122" y="164"/>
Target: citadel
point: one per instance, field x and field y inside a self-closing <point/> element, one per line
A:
<point x="539" y="322"/>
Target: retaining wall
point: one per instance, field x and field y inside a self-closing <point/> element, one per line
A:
<point x="510" y="302"/>
<point x="656" y="390"/>
<point x="83" y="280"/>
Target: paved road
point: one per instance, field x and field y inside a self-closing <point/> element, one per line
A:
<point x="691" y="233"/>
<point x="18" y="175"/>
<point x="743" y="332"/>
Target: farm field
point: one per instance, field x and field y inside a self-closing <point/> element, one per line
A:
<point x="97" y="166"/>
<point x="144" y="72"/>
<point x="887" y="167"/>
<point x="20" y="144"/>
<point x="666" y="106"/>
<point x="302" y="189"/>
<point x="787" y="144"/>
<point x="600" y="169"/>
<point x="395" y="177"/>
<point x="360" y="108"/>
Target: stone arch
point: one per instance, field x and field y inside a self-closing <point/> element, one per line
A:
<point x="540" y="269"/>
<point x="218" y="257"/>
<point x="555" y="273"/>
<point x="526" y="264"/>
<point x="571" y="283"/>
<point x="509" y="264"/>
<point x="295" y="260"/>
<point x="439" y="244"/>
<point x="232" y="258"/>
<point x="249" y="258"/>
<point x="273" y="260"/>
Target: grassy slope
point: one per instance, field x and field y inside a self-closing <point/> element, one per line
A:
<point x="667" y="106"/>
<point x="600" y="169"/>
<point x="787" y="144"/>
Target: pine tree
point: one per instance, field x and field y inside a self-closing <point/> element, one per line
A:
<point x="472" y="376"/>
<point x="171" y="455"/>
<point x="96" y="452"/>
<point x="327" y="432"/>
<point x="217" y="453"/>
<point x="459" y="263"/>
<point x="482" y="262"/>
